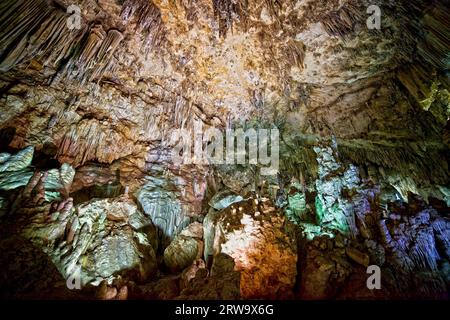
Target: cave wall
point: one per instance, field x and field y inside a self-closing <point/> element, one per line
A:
<point x="88" y="113"/>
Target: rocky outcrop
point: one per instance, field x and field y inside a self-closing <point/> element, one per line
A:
<point x="92" y="94"/>
<point x="254" y="234"/>
<point x="325" y="269"/>
<point x="92" y="241"/>
<point x="222" y="284"/>
<point x="98" y="240"/>
<point x="164" y="208"/>
<point x="185" y="248"/>
<point x="181" y="252"/>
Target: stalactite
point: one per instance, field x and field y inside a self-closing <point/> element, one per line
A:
<point x="413" y="246"/>
<point x="295" y="53"/>
<point x="435" y="44"/>
<point x="441" y="227"/>
<point x="148" y="20"/>
<point x="229" y="11"/>
<point x="21" y="17"/>
<point x="93" y="97"/>
<point x="301" y="160"/>
<point x="274" y="7"/>
<point x="90" y="140"/>
<point x="182" y="115"/>
<point x="94" y="42"/>
<point x="429" y="164"/>
<point x="17" y="29"/>
<point x="39" y="31"/>
<point x="105" y="62"/>
<point x="416" y="80"/>
<point x="425" y="77"/>
<point x="290" y="53"/>
<point x="341" y="23"/>
<point x="96" y="57"/>
<point x="424" y="252"/>
<point x="79" y="68"/>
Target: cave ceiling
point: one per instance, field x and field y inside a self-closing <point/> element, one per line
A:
<point x="137" y="68"/>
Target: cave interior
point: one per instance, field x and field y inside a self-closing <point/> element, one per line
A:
<point x="224" y="149"/>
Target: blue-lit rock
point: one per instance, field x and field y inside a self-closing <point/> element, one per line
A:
<point x="224" y="199"/>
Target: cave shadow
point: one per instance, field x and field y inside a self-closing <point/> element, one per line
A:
<point x="28" y="273"/>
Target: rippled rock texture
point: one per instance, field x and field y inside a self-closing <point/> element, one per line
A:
<point x="91" y="93"/>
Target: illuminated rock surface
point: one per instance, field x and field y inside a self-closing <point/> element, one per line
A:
<point x="254" y="234"/>
<point x="87" y="174"/>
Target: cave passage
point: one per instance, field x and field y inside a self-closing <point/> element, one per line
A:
<point x="224" y="149"/>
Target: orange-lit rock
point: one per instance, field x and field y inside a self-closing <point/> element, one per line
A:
<point x="257" y="239"/>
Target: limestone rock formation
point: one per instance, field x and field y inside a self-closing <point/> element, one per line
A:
<point x="95" y="240"/>
<point x="181" y="252"/>
<point x="99" y="100"/>
<point x="222" y="284"/>
<point x="254" y="235"/>
<point x="98" y="240"/>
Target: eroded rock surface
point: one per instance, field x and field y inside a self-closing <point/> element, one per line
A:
<point x="90" y="189"/>
<point x="254" y="235"/>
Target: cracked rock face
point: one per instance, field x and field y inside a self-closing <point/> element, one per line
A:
<point x="97" y="240"/>
<point x="255" y="236"/>
<point x="92" y="94"/>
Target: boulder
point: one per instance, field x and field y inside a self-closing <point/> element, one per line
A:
<point x="191" y="272"/>
<point x="181" y="252"/>
<point x="194" y="230"/>
<point x="358" y="256"/>
<point x="164" y="208"/>
<point x="224" y="199"/>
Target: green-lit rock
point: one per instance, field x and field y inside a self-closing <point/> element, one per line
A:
<point x="19" y="161"/>
<point x="59" y="179"/>
<point x="333" y="211"/>
<point x="161" y="202"/>
<point x="15" y="172"/>
<point x="4" y="156"/>
<point x="446" y="194"/>
<point x="10" y="180"/>
<point x="52" y="196"/>
<point x="297" y="207"/>
<point x="338" y="219"/>
<point x="320" y="208"/>
<point x="119" y="253"/>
